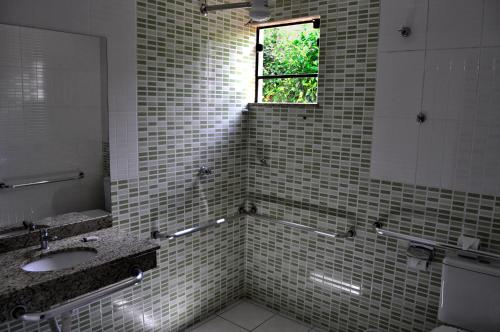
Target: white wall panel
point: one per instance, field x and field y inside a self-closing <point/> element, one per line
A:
<point x="457" y="88"/>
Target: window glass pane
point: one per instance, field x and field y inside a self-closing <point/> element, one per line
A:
<point x="289" y="90"/>
<point x="290" y="49"/>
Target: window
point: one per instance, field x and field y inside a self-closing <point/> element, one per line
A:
<point x="287" y="63"/>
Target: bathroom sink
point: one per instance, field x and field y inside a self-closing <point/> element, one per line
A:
<point x="59" y="260"/>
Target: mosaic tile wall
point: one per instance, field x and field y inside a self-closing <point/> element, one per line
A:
<point x="319" y="159"/>
<point x="189" y="115"/>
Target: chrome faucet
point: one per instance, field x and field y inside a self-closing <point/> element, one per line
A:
<point x="45" y="238"/>
<point x="30" y="226"/>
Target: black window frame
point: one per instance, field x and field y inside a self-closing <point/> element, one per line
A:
<point x="259" y="48"/>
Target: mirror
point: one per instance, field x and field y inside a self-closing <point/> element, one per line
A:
<point x="54" y="147"/>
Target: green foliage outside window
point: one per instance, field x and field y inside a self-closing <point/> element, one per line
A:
<point x="290" y="50"/>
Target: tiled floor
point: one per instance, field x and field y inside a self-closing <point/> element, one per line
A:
<point x="247" y="316"/>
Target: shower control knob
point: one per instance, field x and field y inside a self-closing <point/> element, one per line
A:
<point x="204" y="170"/>
<point x="204" y="9"/>
<point x="405" y="31"/>
<point x="421" y="117"/>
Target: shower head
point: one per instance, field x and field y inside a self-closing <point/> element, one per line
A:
<point x="259" y="12"/>
<point x="259" y="9"/>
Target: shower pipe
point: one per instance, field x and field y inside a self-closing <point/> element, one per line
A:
<point x="350" y="233"/>
<point x="378" y="226"/>
<point x="205" y="9"/>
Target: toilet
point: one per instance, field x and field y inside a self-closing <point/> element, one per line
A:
<point x="470" y="295"/>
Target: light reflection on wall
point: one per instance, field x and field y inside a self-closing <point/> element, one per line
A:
<point x="332" y="283"/>
<point x="39" y="92"/>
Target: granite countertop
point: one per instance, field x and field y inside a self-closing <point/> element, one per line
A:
<point x="117" y="252"/>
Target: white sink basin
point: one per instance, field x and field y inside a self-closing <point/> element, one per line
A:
<point x="59" y="260"/>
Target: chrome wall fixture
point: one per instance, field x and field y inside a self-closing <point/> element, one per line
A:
<point x="204" y="170"/>
<point x="350" y="233"/>
<point x="378" y="226"/>
<point x="79" y="176"/>
<point x="262" y="162"/>
<point x="259" y="10"/>
<point x="184" y="232"/>
<point x="421" y="117"/>
<point x="45" y="238"/>
<point x="405" y="31"/>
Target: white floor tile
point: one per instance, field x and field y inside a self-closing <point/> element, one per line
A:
<point x="280" y="323"/>
<point x="247" y="315"/>
<point x="231" y="306"/>
<point x="218" y="324"/>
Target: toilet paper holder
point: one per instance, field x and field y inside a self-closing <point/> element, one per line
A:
<point x="437" y="245"/>
<point x="419" y="256"/>
<point x="420" y="251"/>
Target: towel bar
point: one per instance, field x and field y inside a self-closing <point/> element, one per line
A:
<point x="4" y="185"/>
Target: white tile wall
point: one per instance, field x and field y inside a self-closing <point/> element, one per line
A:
<point x="454" y="23"/>
<point x="454" y="80"/>
<point x="399" y="83"/>
<point x="17" y="12"/>
<point x="485" y="163"/>
<point x="463" y="164"/>
<point x="489" y="87"/>
<point x="11" y="49"/>
<point x="115" y="20"/>
<point x="437" y="153"/>
<point x="491" y="24"/>
<point x="395" y="142"/>
<point x="450" y="85"/>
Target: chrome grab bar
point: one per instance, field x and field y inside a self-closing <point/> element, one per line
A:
<point x="438" y="245"/>
<point x="20" y="312"/>
<point x="350" y="233"/>
<point x="159" y="235"/>
<point x="4" y="185"/>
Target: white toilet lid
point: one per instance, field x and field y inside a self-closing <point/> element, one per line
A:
<point x="444" y="328"/>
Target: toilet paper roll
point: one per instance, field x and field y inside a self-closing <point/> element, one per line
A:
<point x="468" y="243"/>
<point x="417" y="264"/>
